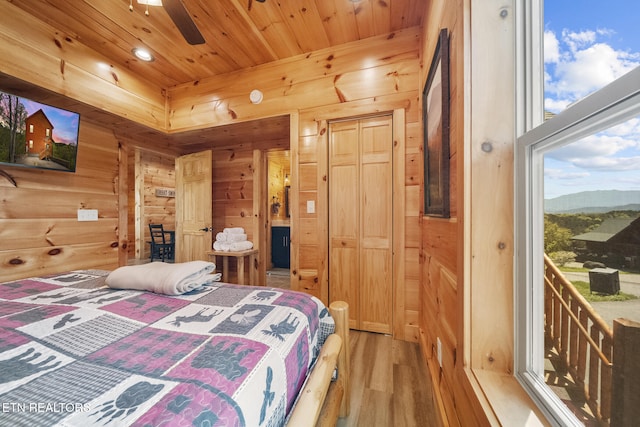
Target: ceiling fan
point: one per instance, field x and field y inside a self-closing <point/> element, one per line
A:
<point x="180" y="17"/>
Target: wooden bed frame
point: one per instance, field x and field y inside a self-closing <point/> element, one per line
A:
<point x="322" y="400"/>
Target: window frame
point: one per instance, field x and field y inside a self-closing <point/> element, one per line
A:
<point x="615" y="103"/>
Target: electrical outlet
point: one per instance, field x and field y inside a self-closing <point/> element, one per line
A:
<point x="87" y="214"/>
<point x="439" y="350"/>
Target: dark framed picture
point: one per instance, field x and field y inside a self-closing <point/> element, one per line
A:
<point x="435" y="119"/>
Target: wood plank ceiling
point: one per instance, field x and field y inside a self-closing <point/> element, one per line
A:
<point x="238" y="34"/>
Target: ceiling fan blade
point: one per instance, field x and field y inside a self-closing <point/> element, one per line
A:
<point x="178" y="13"/>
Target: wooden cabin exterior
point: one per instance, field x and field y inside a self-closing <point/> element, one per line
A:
<point x="452" y="283"/>
<point x="39" y="138"/>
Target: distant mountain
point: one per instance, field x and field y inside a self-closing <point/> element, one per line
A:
<point x="594" y="202"/>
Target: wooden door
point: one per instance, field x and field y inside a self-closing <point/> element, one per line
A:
<point x="194" y="206"/>
<point x="360" y="220"/>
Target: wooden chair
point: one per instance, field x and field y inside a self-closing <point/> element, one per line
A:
<point x="162" y="243"/>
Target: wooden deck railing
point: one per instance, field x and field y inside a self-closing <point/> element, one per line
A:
<point x="582" y="339"/>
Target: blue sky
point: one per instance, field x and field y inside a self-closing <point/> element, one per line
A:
<point x="587" y="45"/>
<point x="65" y="123"/>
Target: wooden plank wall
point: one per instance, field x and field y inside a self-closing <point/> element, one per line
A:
<point x="233" y="183"/>
<point x="39" y="230"/>
<point x="441" y="292"/>
<point x="376" y="67"/>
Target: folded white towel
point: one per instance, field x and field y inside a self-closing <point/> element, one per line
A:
<point x="233" y="230"/>
<point x="240" y="246"/>
<point x="232" y="247"/>
<point x="162" y="278"/>
<point x="221" y="246"/>
<point x="231" y="237"/>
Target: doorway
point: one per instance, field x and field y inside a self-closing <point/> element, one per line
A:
<point x="279" y="214"/>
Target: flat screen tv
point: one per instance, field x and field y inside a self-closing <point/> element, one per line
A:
<point x="37" y="135"/>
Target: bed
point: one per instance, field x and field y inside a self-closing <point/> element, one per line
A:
<point x="75" y="352"/>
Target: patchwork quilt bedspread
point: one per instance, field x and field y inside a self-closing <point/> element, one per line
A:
<point x="76" y="353"/>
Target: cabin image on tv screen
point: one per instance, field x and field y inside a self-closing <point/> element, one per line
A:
<point x="37" y="135"/>
<point x="38" y="139"/>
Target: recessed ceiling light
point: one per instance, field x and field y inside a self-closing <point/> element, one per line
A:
<point x="142" y="54"/>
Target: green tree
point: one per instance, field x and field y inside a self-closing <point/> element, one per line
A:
<point x="556" y="238"/>
<point x="14" y="115"/>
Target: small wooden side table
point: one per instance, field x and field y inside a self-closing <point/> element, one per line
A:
<point x="240" y="257"/>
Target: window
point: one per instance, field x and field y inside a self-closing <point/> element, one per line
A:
<point x="31" y="128"/>
<point x="47" y="132"/>
<point x="590" y="116"/>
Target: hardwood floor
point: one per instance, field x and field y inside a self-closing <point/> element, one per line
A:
<point x="279" y="278"/>
<point x="390" y="384"/>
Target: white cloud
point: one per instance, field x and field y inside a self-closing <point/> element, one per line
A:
<point x="610" y="164"/>
<point x="579" y="63"/>
<point x="577" y="40"/>
<point x="551" y="47"/>
<point x="556" y="105"/>
<point x="563" y="174"/>
<point x="605" y="32"/>
<point x="603" y="152"/>
<point x="631" y="182"/>
<point x="630" y="128"/>
<point x="587" y="70"/>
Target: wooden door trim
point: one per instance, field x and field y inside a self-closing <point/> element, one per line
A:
<point x="260" y="216"/>
<point x="294" y="120"/>
<point x="123" y="205"/>
<point x="399" y="208"/>
<point x="139" y="205"/>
